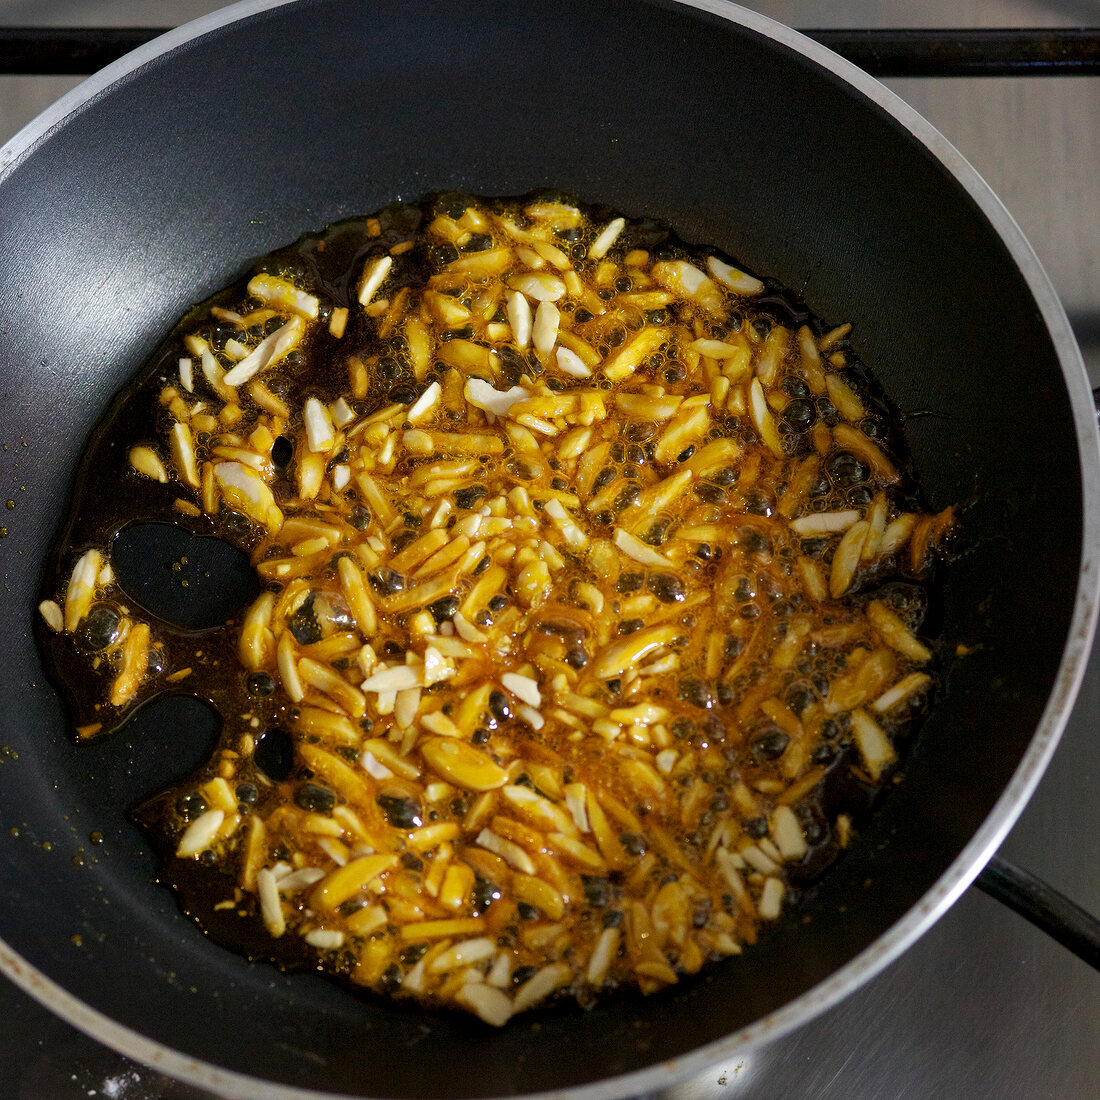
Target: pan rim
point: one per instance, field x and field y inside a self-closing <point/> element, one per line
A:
<point x="1000" y="819"/>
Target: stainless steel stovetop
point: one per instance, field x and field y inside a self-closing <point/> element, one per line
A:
<point x="983" y="1006"/>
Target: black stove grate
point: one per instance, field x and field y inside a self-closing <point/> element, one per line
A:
<point x="78" y="51"/>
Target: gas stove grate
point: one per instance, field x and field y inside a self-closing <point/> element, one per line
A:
<point x="78" y="51"/>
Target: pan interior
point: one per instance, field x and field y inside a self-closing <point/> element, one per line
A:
<point x="161" y="188"/>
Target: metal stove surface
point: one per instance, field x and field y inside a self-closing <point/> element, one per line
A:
<point x="983" y="1006"/>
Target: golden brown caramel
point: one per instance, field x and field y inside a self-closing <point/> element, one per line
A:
<point x="579" y="553"/>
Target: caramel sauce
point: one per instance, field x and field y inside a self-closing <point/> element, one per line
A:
<point x="639" y="696"/>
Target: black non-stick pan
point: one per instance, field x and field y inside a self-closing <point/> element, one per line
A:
<point x="155" y="182"/>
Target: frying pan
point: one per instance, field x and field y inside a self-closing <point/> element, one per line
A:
<point x="153" y="184"/>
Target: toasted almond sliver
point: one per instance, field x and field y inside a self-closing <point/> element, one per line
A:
<point x="463" y="764"/>
<point x="347" y="881"/>
<point x="541" y="985"/>
<point x="895" y="633"/>
<point x="617" y="658"/>
<point x="519" y="317"/>
<point x="763" y="418"/>
<point x="281" y="294"/>
<point x="544" y="332"/>
<point x="81" y="589"/>
<point x="569" y="362"/>
<point x="374" y="767"/>
<point x="523" y="687"/>
<point x="271" y="906"/>
<point x="374" y="275"/>
<point x="771" y="899"/>
<point x="493" y="1005"/>
<point x="737" y="281"/>
<point x="636" y="549"/>
<point x="338" y="322"/>
<point x="824" y="523"/>
<point x="788" y="834"/>
<point x="565" y="523"/>
<point x="425" y="403"/>
<point x="498" y="402"/>
<point x="147" y="462"/>
<point x="908" y="685"/>
<point x="606" y="238"/>
<point x="603" y="955"/>
<point x="847" y="558"/>
<point x="543" y="288"/>
<point x="50" y="611"/>
<point x="715" y="349"/>
<point x="874" y="746"/>
<point x="269" y="351"/>
<point x="439" y="929"/>
<point x="509" y="851"/>
<point x="182" y="445"/>
<point x="463" y="953"/>
<point x="398" y="678"/>
<point x="200" y="834"/>
<point x="319" y="428"/>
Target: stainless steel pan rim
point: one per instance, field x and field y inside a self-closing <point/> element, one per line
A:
<point x="997" y="824"/>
